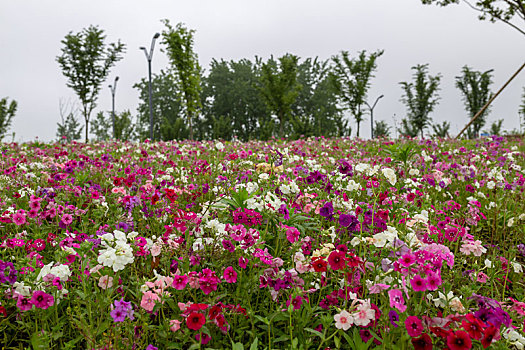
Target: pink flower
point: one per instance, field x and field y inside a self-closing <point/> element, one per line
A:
<point x="414" y="326"/>
<point x="149" y="300"/>
<point x="482" y="278"/>
<point x="230" y="275"/>
<point x="343" y="320"/>
<point x="175" y="325"/>
<point x="296" y="302"/>
<point x="397" y="300"/>
<point x="180" y="281"/>
<point x="378" y="288"/>
<point x="418" y="284"/>
<point x="292" y="234"/>
<point x="105" y="282"/>
<point x="433" y="281"/>
<point x="243" y="262"/>
<point x="364" y="314"/>
<point x="19" y="218"/>
<point x="23" y="303"/>
<point x="67" y="219"/>
<point x="407" y="260"/>
<point x="42" y="300"/>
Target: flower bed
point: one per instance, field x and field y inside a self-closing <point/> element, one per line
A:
<point x="308" y="244"/>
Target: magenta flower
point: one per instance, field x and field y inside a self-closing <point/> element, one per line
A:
<point x="180" y="281"/>
<point x="433" y="281"/>
<point x="397" y="300"/>
<point x="19" y="218"/>
<point x="23" y="303"/>
<point x="418" y="284"/>
<point x="67" y="219"/>
<point x="42" y="300"/>
<point x="230" y="275"/>
<point x="414" y="326"/>
<point x="407" y="260"/>
<point x="296" y="302"/>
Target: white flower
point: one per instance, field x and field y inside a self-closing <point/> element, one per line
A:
<point x="264" y="176"/>
<point x="510" y="223"/>
<point x="343" y="320"/>
<point x="390" y="175"/>
<point x="491" y="184"/>
<point x="488" y="263"/>
<point x="517" y="267"/>
<point x="285" y="189"/>
<point x="219" y="146"/>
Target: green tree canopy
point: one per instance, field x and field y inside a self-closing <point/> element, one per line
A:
<point x="7" y="113"/>
<point x="185" y="64"/>
<point x="351" y="79"/>
<point x="85" y="62"/>
<point x="420" y="98"/>
<point x="510" y="12"/>
<point x="475" y="88"/>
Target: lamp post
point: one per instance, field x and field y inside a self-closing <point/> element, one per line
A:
<point x="372" y="114"/>
<point x="113" y="88"/>
<point x="149" y="55"/>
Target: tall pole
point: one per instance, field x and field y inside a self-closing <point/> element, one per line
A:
<point x="113" y="89"/>
<point x="149" y="56"/>
<point x="372" y="115"/>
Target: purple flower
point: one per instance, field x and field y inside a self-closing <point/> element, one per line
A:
<point x="394" y="317"/>
<point x="345" y="220"/>
<point x="122" y="310"/>
<point x="327" y="210"/>
<point x="151" y="347"/>
<point x="283" y="210"/>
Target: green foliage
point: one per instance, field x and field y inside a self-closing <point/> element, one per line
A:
<point x="351" y="80"/>
<point x="185" y="64"/>
<point x="85" y="62"/>
<point x="7" y="112"/>
<point x="493" y="10"/>
<point x="441" y="130"/>
<point x="420" y="97"/>
<point x="69" y="130"/>
<point x="522" y="109"/>
<point x="102" y="126"/>
<point x="280" y="88"/>
<point x="168" y="124"/>
<point x="475" y="88"/>
<point x="381" y="129"/>
<point x="496" y="128"/>
<point x="232" y="104"/>
<point x="315" y="111"/>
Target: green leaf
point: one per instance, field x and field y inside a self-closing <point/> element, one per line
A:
<point x="237" y="346"/>
<point x="319" y="334"/>
<point x="255" y="344"/>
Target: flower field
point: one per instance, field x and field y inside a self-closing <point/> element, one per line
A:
<point x="307" y="244"/>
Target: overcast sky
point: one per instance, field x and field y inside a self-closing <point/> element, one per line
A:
<point x="409" y="32"/>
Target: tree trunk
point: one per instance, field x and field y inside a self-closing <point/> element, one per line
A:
<point x="191" y="126"/>
<point x="358" y="123"/>
<point x="281" y="126"/>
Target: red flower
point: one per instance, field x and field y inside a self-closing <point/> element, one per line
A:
<point x="422" y="343"/>
<point x="195" y="321"/>
<point x="336" y="260"/>
<point x="489" y="334"/>
<point x="319" y="264"/>
<point x="440" y="332"/>
<point x="459" y="341"/>
<point x="473" y="326"/>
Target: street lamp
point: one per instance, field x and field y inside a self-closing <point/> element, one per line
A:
<point x="148" y="57"/>
<point x="113" y="88"/>
<point x="372" y="114"/>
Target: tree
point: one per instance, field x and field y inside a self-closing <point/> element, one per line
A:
<point x="315" y="111"/>
<point x="381" y="129"/>
<point x="232" y="103"/>
<point x="86" y="61"/>
<point x="475" y="88"/>
<point x="102" y="126"/>
<point x="420" y="97"/>
<point x="351" y="80"/>
<point x="441" y="130"/>
<point x="70" y="129"/>
<point x="179" y="47"/>
<point x="7" y="113"/>
<point x="494" y="10"/>
<point x="168" y="121"/>
<point x="496" y="128"/>
<point x="279" y="87"/>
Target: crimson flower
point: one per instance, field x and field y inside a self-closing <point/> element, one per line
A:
<point x="319" y="264"/>
<point x="422" y="343"/>
<point x="336" y="259"/>
<point x="414" y="326"/>
<point x="473" y="326"/>
<point x="195" y="321"/>
<point x="459" y="341"/>
<point x="489" y="334"/>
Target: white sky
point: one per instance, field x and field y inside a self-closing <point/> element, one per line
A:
<point x="409" y="32"/>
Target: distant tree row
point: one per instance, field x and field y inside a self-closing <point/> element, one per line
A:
<point x="284" y="97"/>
